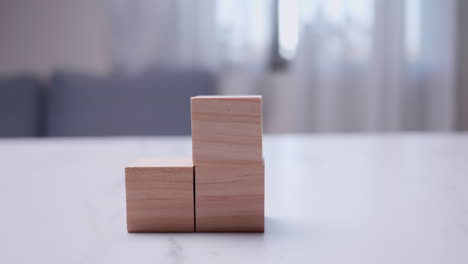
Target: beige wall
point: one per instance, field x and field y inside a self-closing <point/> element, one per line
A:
<point x="40" y="36"/>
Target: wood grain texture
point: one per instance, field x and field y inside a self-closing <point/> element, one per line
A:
<point x="229" y="198"/>
<point x="226" y="130"/>
<point x="160" y="195"/>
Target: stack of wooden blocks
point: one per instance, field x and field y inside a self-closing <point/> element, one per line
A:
<point x="219" y="189"/>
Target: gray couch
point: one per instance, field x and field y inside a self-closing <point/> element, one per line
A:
<point x="20" y="107"/>
<point x="75" y="104"/>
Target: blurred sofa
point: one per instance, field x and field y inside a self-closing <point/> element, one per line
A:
<point x="20" y="106"/>
<point x="155" y="102"/>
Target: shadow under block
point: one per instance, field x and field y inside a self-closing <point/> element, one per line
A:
<point x="229" y="198"/>
<point x="226" y="130"/>
<point x="160" y="195"/>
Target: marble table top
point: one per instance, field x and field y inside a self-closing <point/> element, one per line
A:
<point x="329" y="199"/>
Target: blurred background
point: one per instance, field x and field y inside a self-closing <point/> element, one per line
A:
<point x="128" y="67"/>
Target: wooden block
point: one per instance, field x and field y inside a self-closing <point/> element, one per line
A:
<point x="229" y="198"/>
<point x="160" y="195"/>
<point x="226" y="130"/>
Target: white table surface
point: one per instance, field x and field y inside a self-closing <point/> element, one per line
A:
<point x="329" y="199"/>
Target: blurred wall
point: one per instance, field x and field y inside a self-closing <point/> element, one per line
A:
<point x="39" y="36"/>
<point x="462" y="65"/>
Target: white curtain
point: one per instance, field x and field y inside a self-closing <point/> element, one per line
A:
<point x="209" y="34"/>
<point x="370" y="65"/>
<point x="354" y="65"/>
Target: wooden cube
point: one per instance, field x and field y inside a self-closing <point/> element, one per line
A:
<point x="226" y="130"/>
<point x="229" y="198"/>
<point x="160" y="195"/>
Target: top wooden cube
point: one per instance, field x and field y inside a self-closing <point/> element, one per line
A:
<point x="227" y="130"/>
